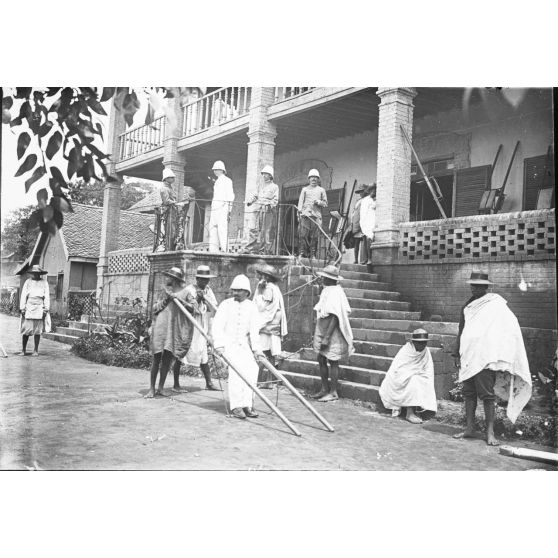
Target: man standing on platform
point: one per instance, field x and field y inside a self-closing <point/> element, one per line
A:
<point x="491" y="358"/>
<point x="273" y="319"/>
<point x="368" y="225"/>
<point x="266" y="201"/>
<point x="221" y="207"/>
<point x="236" y="335"/>
<point x="312" y="198"/>
<point x="333" y="337"/>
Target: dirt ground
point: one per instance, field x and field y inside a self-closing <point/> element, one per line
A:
<point x="58" y="411"/>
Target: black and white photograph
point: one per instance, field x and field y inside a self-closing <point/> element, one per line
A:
<point x="250" y="283"/>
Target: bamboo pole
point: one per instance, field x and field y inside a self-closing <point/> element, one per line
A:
<point x="295" y="392"/>
<point x="190" y="318"/>
<point x="534" y="455"/>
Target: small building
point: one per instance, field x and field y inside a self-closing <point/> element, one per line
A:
<point x="71" y="256"/>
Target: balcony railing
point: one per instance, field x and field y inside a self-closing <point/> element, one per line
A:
<point x="142" y="139"/>
<point x="283" y="93"/>
<point x="218" y="107"/>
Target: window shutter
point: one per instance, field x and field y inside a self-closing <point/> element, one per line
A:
<point x="535" y="177"/>
<point x="470" y="185"/>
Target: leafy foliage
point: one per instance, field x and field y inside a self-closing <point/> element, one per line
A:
<point x="92" y="193"/>
<point x="19" y="233"/>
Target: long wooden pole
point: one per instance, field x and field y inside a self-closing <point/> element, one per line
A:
<point x="432" y="191"/>
<point x="190" y="318"/>
<point x="295" y="392"/>
<point x="525" y="453"/>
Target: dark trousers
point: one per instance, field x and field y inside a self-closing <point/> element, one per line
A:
<point x="308" y="237"/>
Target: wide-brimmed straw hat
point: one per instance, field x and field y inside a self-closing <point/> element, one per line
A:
<point x="203" y="271"/>
<point x="331" y="272"/>
<point x="419" y="335"/>
<point x="269" y="270"/>
<point x="37" y="269"/>
<point x="175" y="273"/>
<point x="479" y="278"/>
<point x="360" y="188"/>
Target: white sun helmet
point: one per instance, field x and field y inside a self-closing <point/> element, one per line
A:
<point x="268" y="169"/>
<point x="313" y="172"/>
<point x="241" y="282"/>
<point x="219" y="165"/>
<point x="167" y="173"/>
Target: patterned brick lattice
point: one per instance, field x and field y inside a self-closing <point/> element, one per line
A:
<point x="128" y="262"/>
<point x="522" y="236"/>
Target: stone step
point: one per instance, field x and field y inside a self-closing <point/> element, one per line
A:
<point x="361" y="268"/>
<point x="365" y="313"/>
<point x="362" y="361"/>
<point x="348" y="390"/>
<point x="356" y="303"/>
<point x="359" y="275"/>
<point x="366" y="285"/>
<point x="72" y="331"/>
<point x="61" y="337"/>
<point x="372" y="295"/>
<point x="384" y="349"/>
<point x="401" y="337"/>
<point x="84" y="325"/>
<point x="440" y="328"/>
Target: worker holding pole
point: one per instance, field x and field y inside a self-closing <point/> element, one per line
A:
<point x="236" y="334"/>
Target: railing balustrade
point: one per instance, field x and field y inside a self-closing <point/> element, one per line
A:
<point x="142" y="139"/>
<point x="215" y="108"/>
<point x="283" y="93"/>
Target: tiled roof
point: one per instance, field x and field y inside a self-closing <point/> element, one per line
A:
<point x="152" y="200"/>
<point x="82" y="231"/>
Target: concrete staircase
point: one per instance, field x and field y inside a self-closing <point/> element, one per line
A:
<point x="381" y="324"/>
<point x="74" y="331"/>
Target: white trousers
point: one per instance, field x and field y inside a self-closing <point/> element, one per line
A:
<point x="218" y="230"/>
<point x="241" y="356"/>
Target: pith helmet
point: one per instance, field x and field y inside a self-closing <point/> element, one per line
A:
<point x="268" y="169"/>
<point x="175" y="273"/>
<point x="219" y="165"/>
<point x="241" y="282"/>
<point x="167" y="173"/>
<point x="313" y="172"/>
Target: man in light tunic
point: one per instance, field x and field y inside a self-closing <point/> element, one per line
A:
<point x="202" y="299"/>
<point x="34" y="304"/>
<point x="273" y="319"/>
<point x="368" y="225"/>
<point x="409" y="382"/>
<point x="491" y="357"/>
<point x="236" y="334"/>
<point x="312" y="198"/>
<point x="333" y="337"/>
<point x="221" y="207"/>
<point x="265" y="201"/>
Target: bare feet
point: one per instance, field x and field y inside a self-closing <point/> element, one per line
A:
<point x="395" y="412"/>
<point x="464" y="434"/>
<point x="35" y="354"/>
<point x="21" y="353"/>
<point x="150" y="394"/>
<point x="319" y="395"/>
<point x="178" y="389"/>
<point x="159" y="391"/>
<point x="328" y="397"/>
<point x="411" y="417"/>
<point x="491" y="440"/>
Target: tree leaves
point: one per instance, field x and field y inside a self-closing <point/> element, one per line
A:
<point x="27" y="165"/>
<point x="23" y="92"/>
<point x="108" y="92"/>
<point x="54" y="144"/>
<point x="22" y="144"/>
<point x="7" y="103"/>
<point x="42" y="197"/>
<point x="38" y="173"/>
<point x="96" y="106"/>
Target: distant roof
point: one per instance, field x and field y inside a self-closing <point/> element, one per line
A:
<point x="82" y="230"/>
<point x="151" y="201"/>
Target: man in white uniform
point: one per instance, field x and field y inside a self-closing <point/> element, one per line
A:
<point x="236" y="335"/>
<point x="221" y="207"/>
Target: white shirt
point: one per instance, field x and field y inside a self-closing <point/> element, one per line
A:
<point x="32" y="288"/>
<point x="237" y="323"/>
<point x="223" y="192"/>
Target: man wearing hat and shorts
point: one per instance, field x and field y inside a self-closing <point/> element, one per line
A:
<point x="409" y="382"/>
<point x="312" y="198"/>
<point x="202" y="299"/>
<point x="171" y="333"/>
<point x="265" y="200"/>
<point x="34" y="304"/>
<point x="221" y="207"/>
<point x="333" y="337"/>
<point x="236" y="334"/>
<point x="273" y="318"/>
<point x="491" y="358"/>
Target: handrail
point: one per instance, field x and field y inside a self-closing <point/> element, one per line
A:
<point x="217" y="107"/>
<point x="284" y="93"/>
<point x="142" y="139"/>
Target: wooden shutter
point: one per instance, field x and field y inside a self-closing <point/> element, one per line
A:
<point x="535" y="176"/>
<point x="469" y="187"/>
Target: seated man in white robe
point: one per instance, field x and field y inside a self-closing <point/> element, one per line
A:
<point x="491" y="357"/>
<point x="236" y="333"/>
<point x="409" y="382"/>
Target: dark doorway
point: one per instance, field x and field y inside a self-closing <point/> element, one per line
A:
<point x="423" y="206"/>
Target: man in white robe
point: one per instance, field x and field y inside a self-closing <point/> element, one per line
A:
<point x="236" y="335"/>
<point x="273" y="319"/>
<point x="491" y="357"/>
<point x="368" y="225"/>
<point x="409" y="382"/>
<point x="221" y="207"/>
